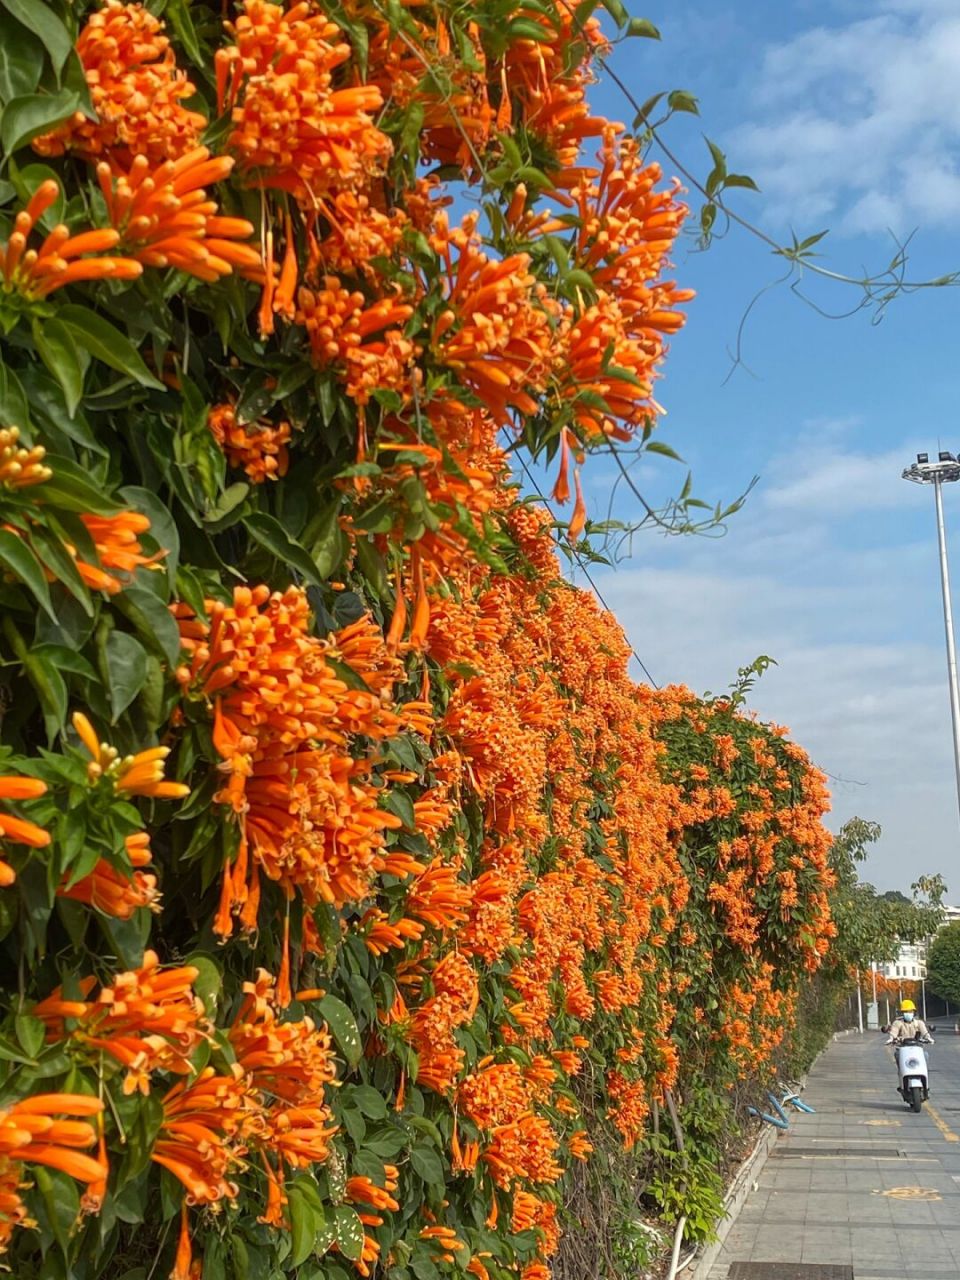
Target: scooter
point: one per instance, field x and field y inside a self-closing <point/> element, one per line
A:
<point x="912" y="1070"/>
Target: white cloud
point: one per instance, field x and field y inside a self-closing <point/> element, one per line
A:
<point x="858" y="125"/>
<point x="832" y="582"/>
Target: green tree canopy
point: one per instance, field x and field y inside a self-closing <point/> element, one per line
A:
<point x="871" y="926"/>
<point x="943" y="963"/>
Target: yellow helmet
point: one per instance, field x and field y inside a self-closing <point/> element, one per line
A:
<point x="908" y="1007"/>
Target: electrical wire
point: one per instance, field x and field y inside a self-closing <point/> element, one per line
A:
<point x="579" y="559"/>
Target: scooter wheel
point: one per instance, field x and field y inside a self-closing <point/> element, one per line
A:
<point x="916" y="1098"/>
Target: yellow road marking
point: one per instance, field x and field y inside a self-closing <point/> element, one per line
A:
<point x="942" y="1125"/>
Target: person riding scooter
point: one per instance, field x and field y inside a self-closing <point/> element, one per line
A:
<point x="907" y="1026"/>
<point x="907" y="1034"/>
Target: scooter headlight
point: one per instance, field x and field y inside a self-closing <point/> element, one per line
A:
<point x="913" y="1064"/>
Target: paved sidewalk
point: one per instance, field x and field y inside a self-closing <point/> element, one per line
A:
<point x="864" y="1182"/>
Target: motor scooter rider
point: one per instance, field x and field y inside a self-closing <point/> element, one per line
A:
<point x="907" y="1026"/>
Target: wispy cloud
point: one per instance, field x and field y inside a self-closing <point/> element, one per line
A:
<point x="826" y="573"/>
<point x="858" y="125"/>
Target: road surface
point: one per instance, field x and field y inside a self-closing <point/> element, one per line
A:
<point x="863" y="1184"/>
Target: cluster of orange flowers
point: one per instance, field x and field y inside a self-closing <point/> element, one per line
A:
<point x="307" y="811"/>
<point x="260" y="449"/>
<point x="136" y="89"/>
<point x="62" y="258"/>
<point x="292" y="129"/>
<point x="18" y="830"/>
<point x="33" y="1132"/>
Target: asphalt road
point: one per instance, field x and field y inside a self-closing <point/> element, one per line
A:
<point x="864" y="1183"/>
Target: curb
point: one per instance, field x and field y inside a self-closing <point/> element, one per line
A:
<point x="743" y="1181"/>
<point x="734" y="1200"/>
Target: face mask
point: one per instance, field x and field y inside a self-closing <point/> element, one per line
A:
<point x="908" y="1017"/>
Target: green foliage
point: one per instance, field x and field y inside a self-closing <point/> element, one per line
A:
<point x="943" y="963"/>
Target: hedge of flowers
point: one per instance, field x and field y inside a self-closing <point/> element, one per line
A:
<point x="343" y="863"/>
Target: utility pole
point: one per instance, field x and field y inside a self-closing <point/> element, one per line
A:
<point x="939" y="473"/>
<point x="859" y="1004"/>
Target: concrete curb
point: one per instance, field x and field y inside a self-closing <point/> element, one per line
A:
<point x="734" y="1200"/>
<point x="743" y="1182"/>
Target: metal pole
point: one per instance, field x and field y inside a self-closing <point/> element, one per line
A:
<point x="859" y="1003"/>
<point x="948" y="628"/>
<point x="923" y="989"/>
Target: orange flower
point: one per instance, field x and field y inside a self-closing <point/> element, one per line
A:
<point x="146" y="1020"/>
<point x="135" y="87"/>
<point x="362" y="341"/>
<point x="200" y="1138"/>
<point x="137" y="775"/>
<point x="62" y="258"/>
<point x="19" y="830"/>
<point x="259" y="448"/>
<point x="30" y="1133"/>
<point x="20" y="468"/>
<point x="116" y="539"/>
<point x="164" y="218"/>
<point x="291" y="128"/>
<point x="110" y="891"/>
<point x="495" y="331"/>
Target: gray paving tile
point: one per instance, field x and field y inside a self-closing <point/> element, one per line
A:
<point x="821" y="1209"/>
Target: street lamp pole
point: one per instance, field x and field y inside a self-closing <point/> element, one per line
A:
<point x="923" y="471"/>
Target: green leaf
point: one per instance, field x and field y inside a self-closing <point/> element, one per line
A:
<point x="59" y="1203"/>
<point x="659" y="446"/>
<point x="740" y="180"/>
<point x="681" y="100"/>
<point x="58" y="351"/>
<point x="270" y="533"/>
<point x="349" y="1232"/>
<point x="126" y="665"/>
<point x="17" y="559"/>
<point x="105" y="342"/>
<point x="14" y="410"/>
<point x="427" y="1164"/>
<point x="72" y="489"/>
<point x="370" y="1101"/>
<point x="177" y="13"/>
<point x="617" y="12"/>
<point x="642" y="27"/>
<point x="208" y="983"/>
<point x="65" y="659"/>
<point x="51" y="690"/>
<point x="30" y="1033"/>
<point x="306" y="1219"/>
<point x="60" y="562"/>
<point x="26" y="118"/>
<point x="154" y="622"/>
<point x="343" y="1026"/>
<point x="40" y="18"/>
<point x="21" y="59"/>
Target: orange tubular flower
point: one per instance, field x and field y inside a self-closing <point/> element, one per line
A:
<point x="164" y="218"/>
<point x="364" y="341"/>
<point x="138" y="775"/>
<point x="146" y="1020"/>
<point x="109" y="891"/>
<point x="19" y="830"/>
<point x="62" y="258"/>
<point x="200" y="1137"/>
<point x="307" y="809"/>
<point x="291" y="128"/>
<point x="117" y="541"/>
<point x="260" y="449"/>
<point x="20" y="468"/>
<point x="135" y="87"/>
<point x="30" y="1133"/>
<point x="495" y="332"/>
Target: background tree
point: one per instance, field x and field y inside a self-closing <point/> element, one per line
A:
<point x="943" y="963"/>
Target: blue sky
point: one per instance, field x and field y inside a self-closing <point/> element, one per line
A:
<point x="847" y="116"/>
